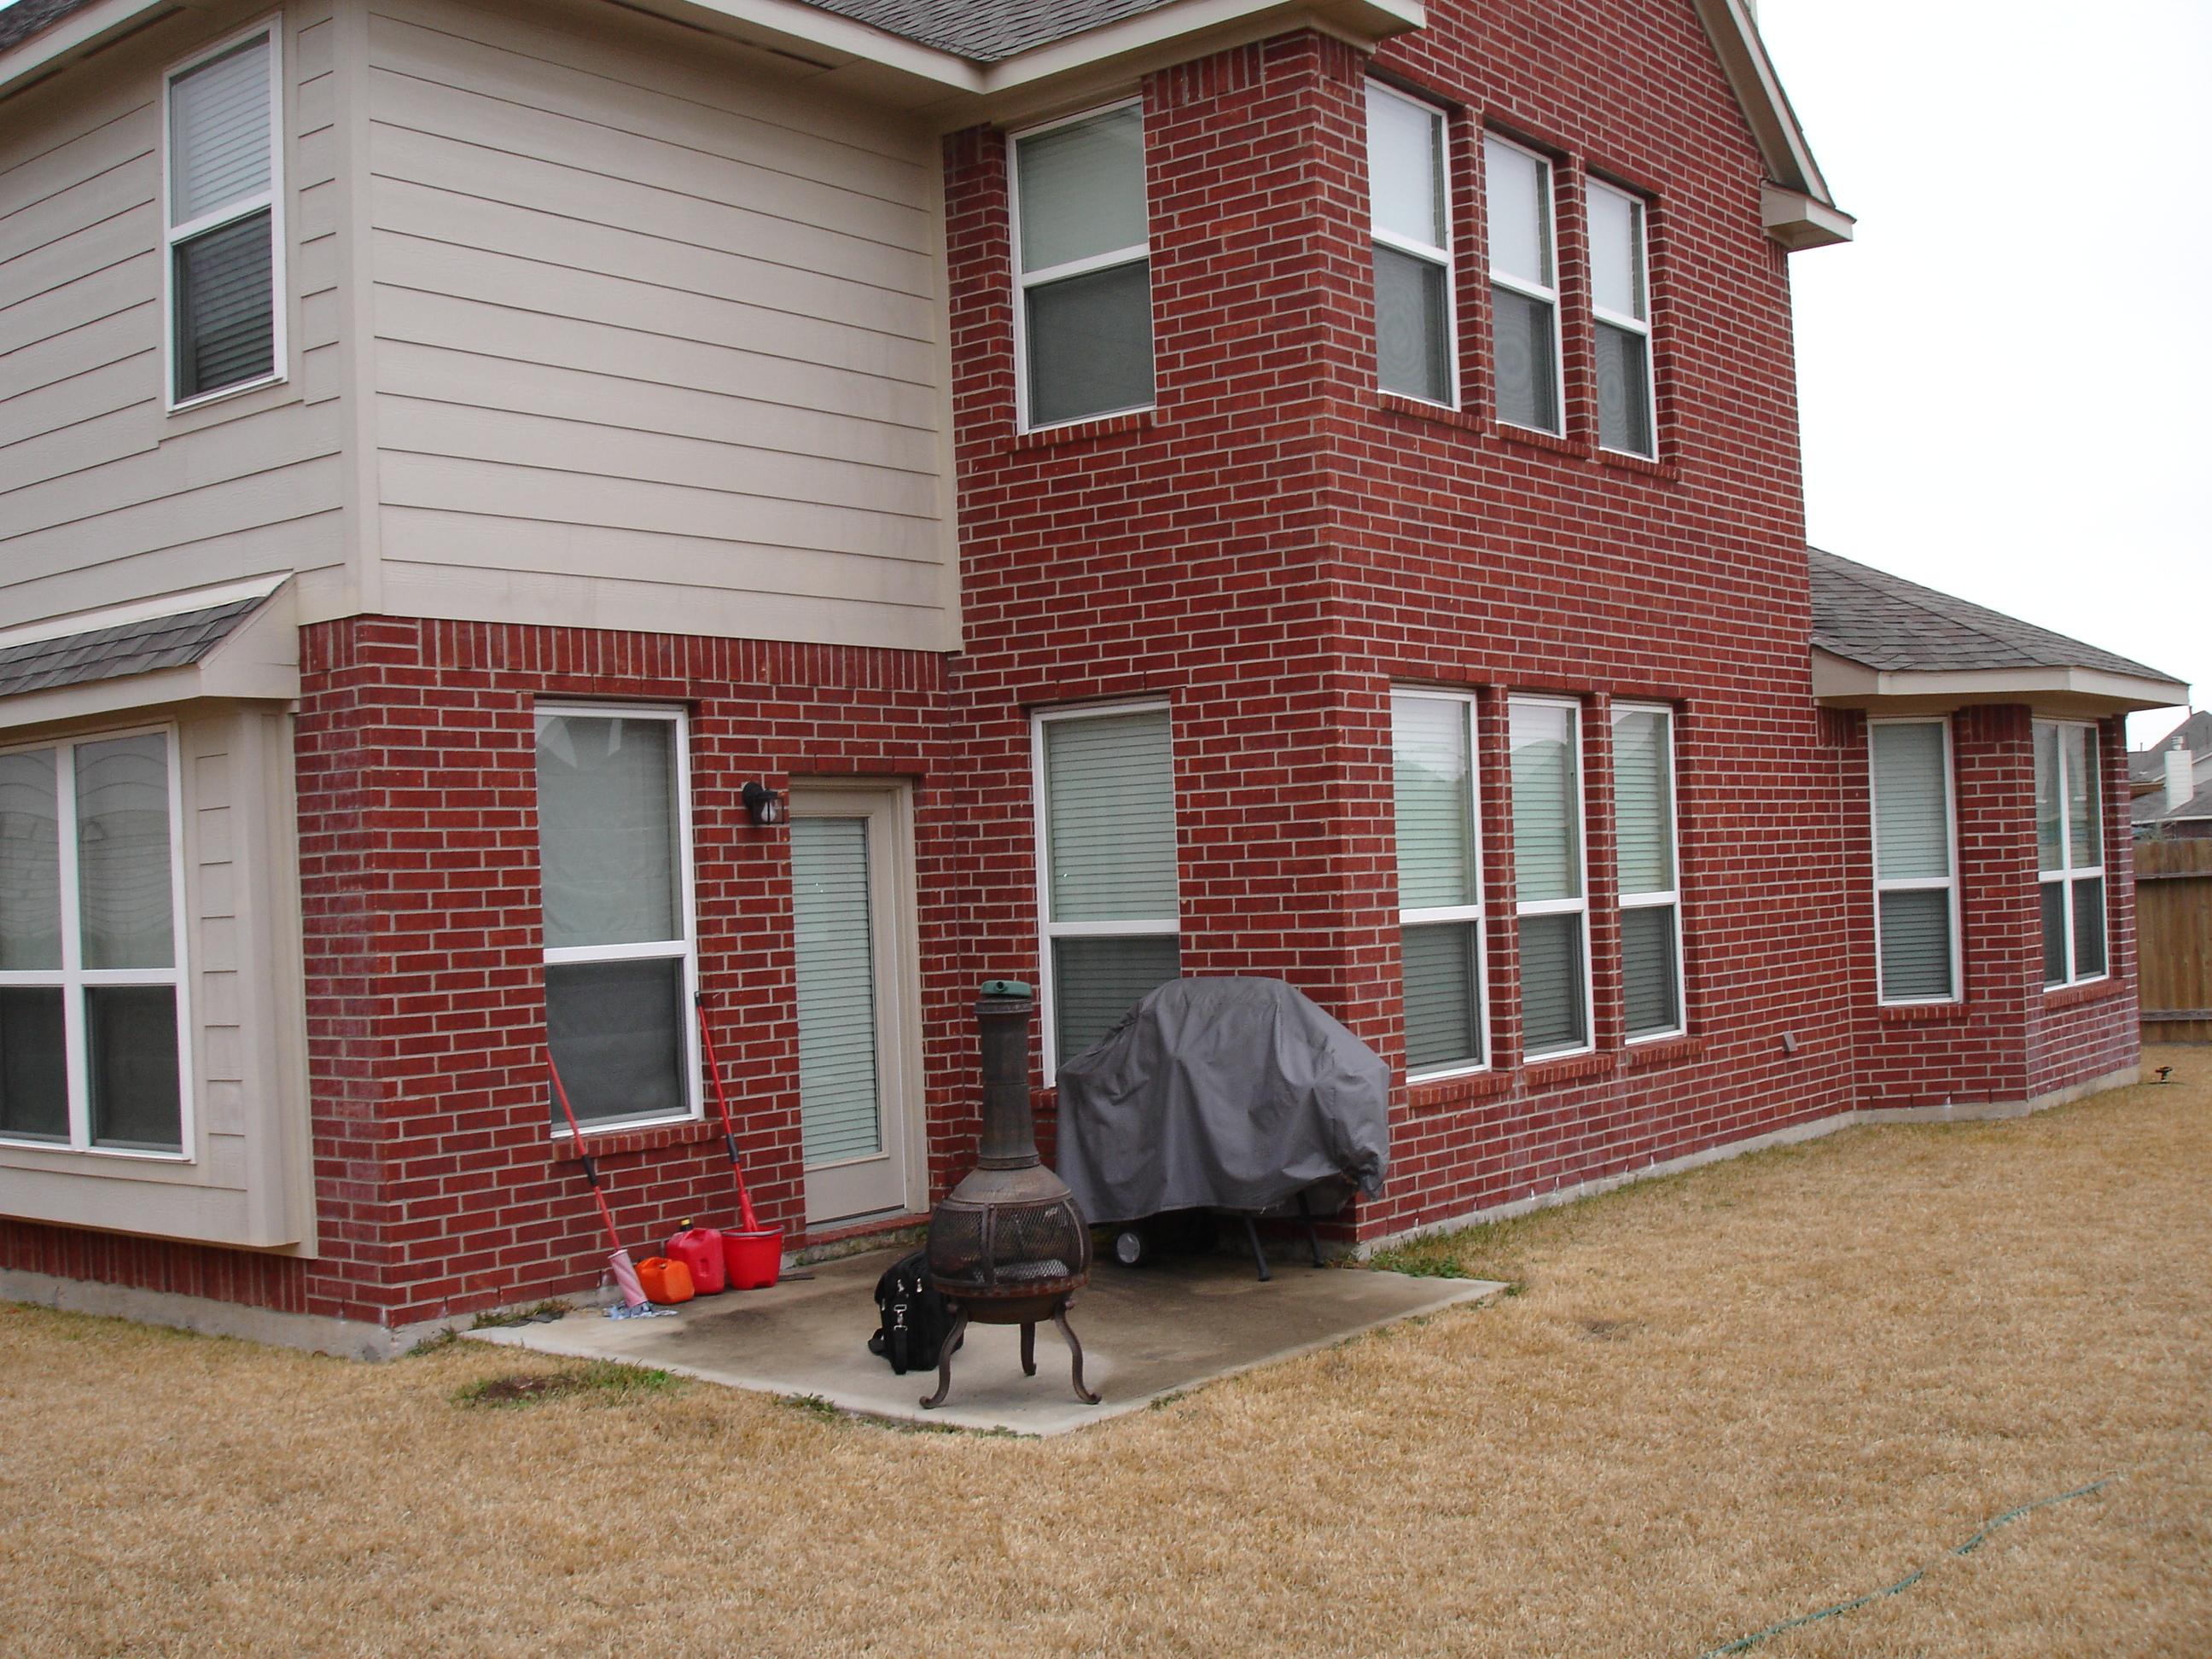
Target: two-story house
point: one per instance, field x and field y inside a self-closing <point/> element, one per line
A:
<point x="516" y="515"/>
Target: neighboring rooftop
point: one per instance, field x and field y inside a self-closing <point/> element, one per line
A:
<point x="142" y="646"/>
<point x="2193" y="734"/>
<point x="1884" y="622"/>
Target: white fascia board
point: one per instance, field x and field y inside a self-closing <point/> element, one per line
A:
<point x="1781" y="145"/>
<point x="1840" y="682"/>
<point x="1797" y="222"/>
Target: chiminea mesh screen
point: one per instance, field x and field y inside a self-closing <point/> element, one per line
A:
<point x="1008" y="1246"/>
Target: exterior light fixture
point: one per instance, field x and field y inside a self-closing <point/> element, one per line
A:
<point x="763" y="805"/>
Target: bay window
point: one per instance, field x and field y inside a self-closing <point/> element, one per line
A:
<point x="92" y="1055"/>
<point x="1645" y="860"/>
<point x="1407" y="147"/>
<point x="1916" y="871"/>
<point x="222" y="165"/>
<point x="1083" y="268"/>
<point x="1106" y="840"/>
<point x="614" y="844"/>
<point x="1524" y="294"/>
<point x="1621" y="297"/>
<point x="1439" y="881"/>
<point x="1551" y="901"/>
<point x="2069" y="852"/>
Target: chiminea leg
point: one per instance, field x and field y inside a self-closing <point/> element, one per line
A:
<point x="1028" y="1347"/>
<point x="945" y="1358"/>
<point x="1060" y="1318"/>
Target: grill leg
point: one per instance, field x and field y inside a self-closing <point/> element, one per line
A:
<point x="1028" y="1347"/>
<point x="1313" y="1238"/>
<point x="945" y="1359"/>
<point x="1060" y="1318"/>
<point x="1252" y="1235"/>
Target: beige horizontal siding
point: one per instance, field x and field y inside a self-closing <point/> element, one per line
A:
<point x="658" y="342"/>
<point x="104" y="494"/>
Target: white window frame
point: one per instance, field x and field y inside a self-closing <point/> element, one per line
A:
<point x="272" y="198"/>
<point x="1048" y="929"/>
<point x="1441" y="256"/>
<point x="1026" y="280"/>
<point x="1949" y="882"/>
<point x="1477" y="912"/>
<point x="1549" y="296"/>
<point x="1640" y="327"/>
<point x="1670" y="897"/>
<point x="687" y="1035"/>
<point x="1577" y="906"/>
<point x="2066" y="875"/>
<point x="73" y="979"/>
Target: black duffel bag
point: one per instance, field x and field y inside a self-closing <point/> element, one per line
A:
<point x="912" y="1318"/>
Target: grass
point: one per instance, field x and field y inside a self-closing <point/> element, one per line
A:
<point x="612" y="1383"/>
<point x="1722" y="1400"/>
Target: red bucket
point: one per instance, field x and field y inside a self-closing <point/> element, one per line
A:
<point x="753" y="1258"/>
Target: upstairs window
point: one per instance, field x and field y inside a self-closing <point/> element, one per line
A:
<point x="1551" y="907"/>
<point x="1107" y="840"/>
<point x="1621" y="297"/>
<point x="1439" y="881"/>
<point x="1644" y="855"/>
<point x="91" y="917"/>
<point x="1916" y="877"/>
<point x="1083" y="259"/>
<point x="1524" y="294"/>
<point x="1406" y="172"/>
<point x="223" y="165"/>
<point x="2070" y="852"/>
<point x="614" y="849"/>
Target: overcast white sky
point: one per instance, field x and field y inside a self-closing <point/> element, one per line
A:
<point x="2007" y="380"/>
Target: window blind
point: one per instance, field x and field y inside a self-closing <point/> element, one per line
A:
<point x="616" y="1031"/>
<point x="1110" y="797"/>
<point x="225" y="315"/>
<point x="1552" y="1010"/>
<point x="839" y="1111"/>
<point x="1097" y="979"/>
<point x="33" y="1064"/>
<point x="1642" y="803"/>
<point x="1444" y="995"/>
<point x="607" y="829"/>
<point x="1650" y="991"/>
<point x="125" y="897"/>
<point x="219" y="132"/>
<point x="1546" y="827"/>
<point x="1086" y="279"/>
<point x="2082" y="837"/>
<point x="1916" y="945"/>
<point x="1518" y="186"/>
<point x="2055" y="943"/>
<point x="2050" y="853"/>
<point x="1082" y="189"/>
<point x="2088" y="929"/>
<point x="30" y="862"/>
<point x="1412" y="325"/>
<point x="1435" y="831"/>
<point x="1912" y="827"/>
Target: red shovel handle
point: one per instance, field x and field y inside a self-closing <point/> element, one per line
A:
<point x="591" y="1169"/>
<point x="746" y="1219"/>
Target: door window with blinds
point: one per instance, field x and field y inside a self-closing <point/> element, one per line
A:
<point x="1645" y="864"/>
<point x="1411" y="215"/>
<point x="1107" y="835"/>
<point x="1551" y="899"/>
<point x="223" y="166"/>
<point x="1083" y="268"/>
<point x="834" y="945"/>
<point x="1620" y="296"/>
<point x="1524" y="293"/>
<point x="91" y="1052"/>
<point x="1916" y="871"/>
<point x="1432" y="743"/>
<point x="2070" y="852"/>
<point x="614" y="855"/>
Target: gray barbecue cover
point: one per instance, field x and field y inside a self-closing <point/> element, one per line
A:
<point x="1233" y="1094"/>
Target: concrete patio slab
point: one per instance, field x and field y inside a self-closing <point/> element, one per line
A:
<point x="1146" y="1332"/>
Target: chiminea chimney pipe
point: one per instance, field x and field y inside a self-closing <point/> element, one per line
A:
<point x="1002" y="1031"/>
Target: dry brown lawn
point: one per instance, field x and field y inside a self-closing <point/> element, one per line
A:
<point x="1721" y="1400"/>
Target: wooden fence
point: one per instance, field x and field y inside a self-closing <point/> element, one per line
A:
<point x="2173" y="925"/>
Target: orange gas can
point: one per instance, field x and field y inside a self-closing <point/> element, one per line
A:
<point x="666" y="1282"/>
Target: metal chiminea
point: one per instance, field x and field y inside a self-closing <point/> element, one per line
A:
<point x="1008" y="1246"/>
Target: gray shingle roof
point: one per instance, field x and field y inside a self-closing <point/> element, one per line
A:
<point x="109" y="653"/>
<point x="24" y="19"/>
<point x="1884" y="622"/>
<point x="2193" y="734"/>
<point x="2198" y="805"/>
<point x="985" y="31"/>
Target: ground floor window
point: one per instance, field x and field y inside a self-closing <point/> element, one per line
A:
<point x="1916" y="873"/>
<point x="1106" y="842"/>
<point x="2069" y="852"/>
<point x="1432" y="741"/>
<point x="1644" y="863"/>
<point x="91" y="914"/>
<point x="614" y="843"/>
<point x="1551" y="899"/>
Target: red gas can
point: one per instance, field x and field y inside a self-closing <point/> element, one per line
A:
<point x="700" y="1248"/>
